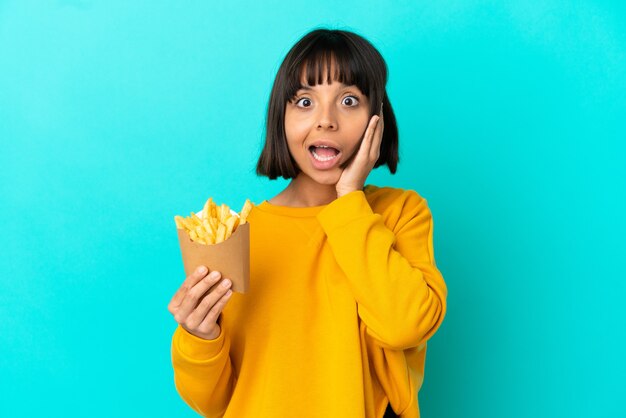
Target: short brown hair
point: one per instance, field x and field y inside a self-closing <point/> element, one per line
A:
<point x="357" y="63"/>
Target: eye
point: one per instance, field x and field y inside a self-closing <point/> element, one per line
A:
<point x="350" y="101"/>
<point x="303" y="102"/>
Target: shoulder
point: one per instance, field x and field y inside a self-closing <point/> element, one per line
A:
<point x="397" y="206"/>
<point x="382" y="198"/>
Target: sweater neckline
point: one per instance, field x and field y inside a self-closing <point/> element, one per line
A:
<point x="296" y="212"/>
<point x="299" y="212"/>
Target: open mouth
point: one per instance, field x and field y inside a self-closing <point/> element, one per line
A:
<point x="323" y="152"/>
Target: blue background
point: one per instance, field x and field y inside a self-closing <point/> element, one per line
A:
<point x="115" y="116"/>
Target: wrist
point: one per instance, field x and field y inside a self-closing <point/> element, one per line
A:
<point x="210" y="336"/>
<point x="345" y="191"/>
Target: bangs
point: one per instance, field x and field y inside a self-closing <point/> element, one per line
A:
<point x="325" y="62"/>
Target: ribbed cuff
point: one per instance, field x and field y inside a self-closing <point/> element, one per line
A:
<point x="197" y="348"/>
<point x="344" y="210"/>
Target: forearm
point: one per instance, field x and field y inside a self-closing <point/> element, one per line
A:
<point x="399" y="291"/>
<point x="202" y="372"/>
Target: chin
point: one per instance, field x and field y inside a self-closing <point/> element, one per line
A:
<point x="327" y="179"/>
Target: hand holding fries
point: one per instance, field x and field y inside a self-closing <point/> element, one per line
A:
<point x="196" y="310"/>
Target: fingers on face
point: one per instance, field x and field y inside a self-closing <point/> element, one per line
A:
<point x="377" y="139"/>
<point x="374" y="137"/>
<point x="369" y="134"/>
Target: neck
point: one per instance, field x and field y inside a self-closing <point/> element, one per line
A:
<point x="304" y="192"/>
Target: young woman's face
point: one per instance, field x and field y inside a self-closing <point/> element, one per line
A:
<point x="324" y="125"/>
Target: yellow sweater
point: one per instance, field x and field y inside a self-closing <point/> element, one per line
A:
<point x="342" y="300"/>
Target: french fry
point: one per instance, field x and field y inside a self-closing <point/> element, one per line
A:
<point x="197" y="221"/>
<point x="214" y="210"/>
<point x="209" y="233"/>
<point x="224" y="213"/>
<point x="200" y="231"/>
<point x="230" y="225"/>
<point x="188" y="223"/>
<point x="206" y="211"/>
<point x="245" y="211"/>
<point x="221" y="233"/>
<point x="207" y="226"/>
<point x="214" y="223"/>
<point x="210" y="238"/>
<point x="179" y="222"/>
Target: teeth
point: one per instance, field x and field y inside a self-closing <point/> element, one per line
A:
<point x="318" y="158"/>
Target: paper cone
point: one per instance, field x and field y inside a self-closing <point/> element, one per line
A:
<point x="231" y="257"/>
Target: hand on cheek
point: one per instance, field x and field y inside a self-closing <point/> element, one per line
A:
<point x="354" y="175"/>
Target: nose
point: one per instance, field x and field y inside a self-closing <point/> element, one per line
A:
<point x="327" y="118"/>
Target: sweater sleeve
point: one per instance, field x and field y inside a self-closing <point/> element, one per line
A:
<point x="400" y="293"/>
<point x="202" y="371"/>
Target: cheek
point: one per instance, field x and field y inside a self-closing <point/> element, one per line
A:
<point x="354" y="137"/>
<point x="296" y="130"/>
<point x="358" y="130"/>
